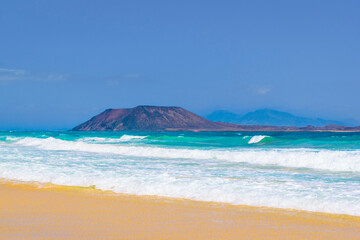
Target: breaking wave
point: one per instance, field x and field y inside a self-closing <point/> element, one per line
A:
<point x="256" y="139"/>
<point x="333" y="160"/>
<point x="124" y="138"/>
<point x="315" y="172"/>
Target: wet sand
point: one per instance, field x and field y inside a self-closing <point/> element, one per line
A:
<point x="28" y="211"/>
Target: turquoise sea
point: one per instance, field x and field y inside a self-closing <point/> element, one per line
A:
<point x="304" y="171"/>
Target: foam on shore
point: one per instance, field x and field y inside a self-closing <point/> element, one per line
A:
<point x="68" y="213"/>
<point x="204" y="166"/>
<point x="297" y="158"/>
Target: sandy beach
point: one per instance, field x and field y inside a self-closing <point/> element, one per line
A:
<point x="28" y="211"/>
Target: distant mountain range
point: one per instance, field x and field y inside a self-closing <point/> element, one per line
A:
<point x="155" y="118"/>
<point x="271" y="118"/>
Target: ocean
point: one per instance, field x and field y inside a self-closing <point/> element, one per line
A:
<point x="310" y="171"/>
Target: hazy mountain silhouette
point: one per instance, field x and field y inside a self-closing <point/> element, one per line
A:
<point x="269" y="117"/>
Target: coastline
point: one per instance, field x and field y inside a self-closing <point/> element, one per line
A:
<point x="42" y="211"/>
<point x="241" y="130"/>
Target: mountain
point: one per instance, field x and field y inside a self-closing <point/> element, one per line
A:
<point x="269" y="117"/>
<point x="154" y="118"/>
<point x="146" y="118"/>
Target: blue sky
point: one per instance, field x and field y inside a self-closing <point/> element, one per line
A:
<point x="63" y="61"/>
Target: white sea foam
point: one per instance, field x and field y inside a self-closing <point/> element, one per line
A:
<point x="11" y="138"/>
<point x="124" y="138"/>
<point x="297" y="158"/>
<point x="193" y="173"/>
<point x="256" y="139"/>
<point x="131" y="137"/>
<point x="181" y="183"/>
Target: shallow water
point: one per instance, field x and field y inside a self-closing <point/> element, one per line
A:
<point x="305" y="171"/>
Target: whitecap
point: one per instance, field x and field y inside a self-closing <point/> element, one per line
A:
<point x="257" y="138"/>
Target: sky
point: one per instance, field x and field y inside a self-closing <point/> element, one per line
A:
<point x="61" y="62"/>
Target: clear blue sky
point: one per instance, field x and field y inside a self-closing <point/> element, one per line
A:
<point x="63" y="61"/>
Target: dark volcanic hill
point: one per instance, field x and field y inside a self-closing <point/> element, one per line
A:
<point x="147" y="118"/>
<point x="154" y="118"/>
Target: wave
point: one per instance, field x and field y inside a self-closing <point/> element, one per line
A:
<point x="248" y="175"/>
<point x="257" y="138"/>
<point x="11" y="138"/>
<point x="332" y="160"/>
<point x="253" y="193"/>
<point x="124" y="138"/>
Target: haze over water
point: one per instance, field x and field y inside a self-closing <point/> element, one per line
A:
<point x="303" y="171"/>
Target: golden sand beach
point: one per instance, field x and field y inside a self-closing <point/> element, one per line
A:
<point x="30" y="211"/>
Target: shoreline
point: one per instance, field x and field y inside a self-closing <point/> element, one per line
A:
<point x="220" y="130"/>
<point x="42" y="211"/>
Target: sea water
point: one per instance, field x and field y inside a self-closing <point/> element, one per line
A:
<point x="305" y="171"/>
